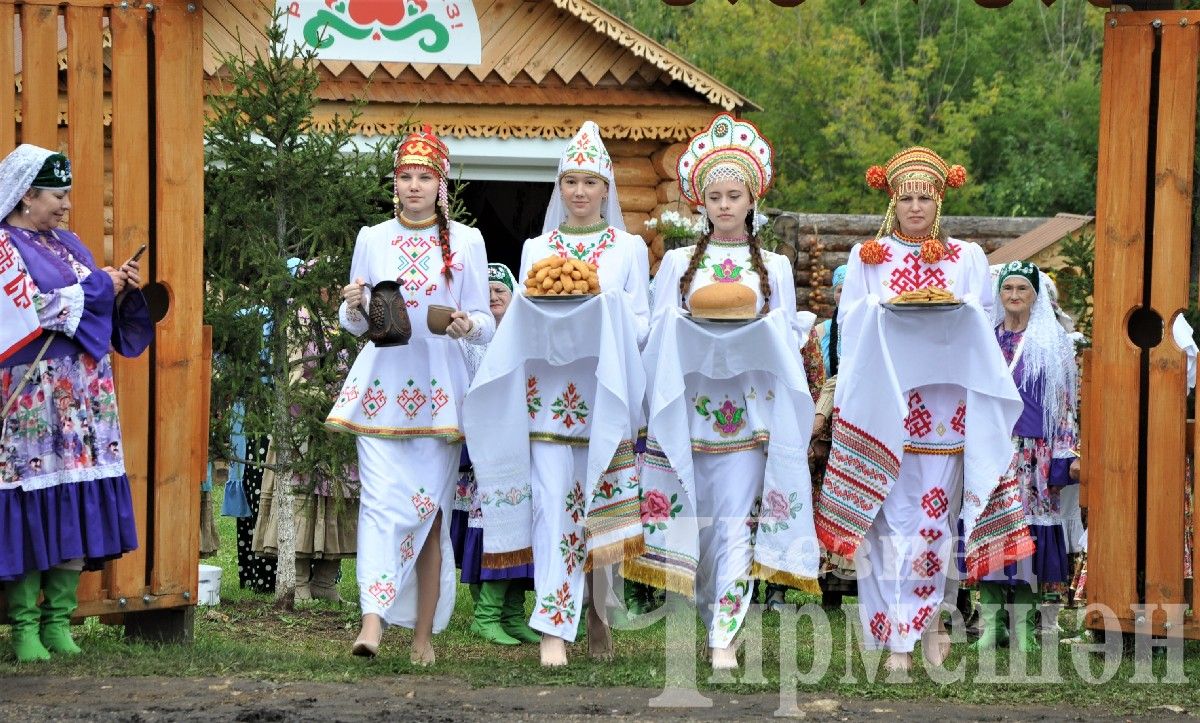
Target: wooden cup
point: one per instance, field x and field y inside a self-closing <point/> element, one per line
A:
<point x="438" y="318"/>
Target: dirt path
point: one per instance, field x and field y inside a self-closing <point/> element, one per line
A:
<point x="442" y="699"/>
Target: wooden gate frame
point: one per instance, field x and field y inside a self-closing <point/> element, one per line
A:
<point x="1134" y="410"/>
<point x="149" y="95"/>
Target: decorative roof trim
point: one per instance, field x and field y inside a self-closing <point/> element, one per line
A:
<point x="673" y="132"/>
<point x="652" y="52"/>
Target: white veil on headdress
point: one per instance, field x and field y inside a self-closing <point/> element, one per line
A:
<point x="1048" y="353"/>
<point x="17" y="171"/>
<point x="585" y="154"/>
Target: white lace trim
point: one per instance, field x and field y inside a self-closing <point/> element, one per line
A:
<point x="67" y="476"/>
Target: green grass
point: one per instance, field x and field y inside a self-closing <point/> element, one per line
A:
<point x="246" y="637"/>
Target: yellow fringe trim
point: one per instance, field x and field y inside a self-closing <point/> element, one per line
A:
<point x="639" y="571"/>
<point x="770" y="574"/>
<point x="500" y="560"/>
<point x="619" y="551"/>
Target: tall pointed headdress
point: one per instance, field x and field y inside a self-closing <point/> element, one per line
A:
<point x="585" y="154"/>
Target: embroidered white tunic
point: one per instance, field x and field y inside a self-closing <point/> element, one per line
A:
<point x="414" y="390"/>
<point x="936" y="421"/>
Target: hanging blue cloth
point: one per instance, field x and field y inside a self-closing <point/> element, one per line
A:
<point x="235" y="504"/>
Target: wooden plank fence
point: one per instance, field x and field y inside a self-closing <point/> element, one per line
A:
<point x="124" y="80"/>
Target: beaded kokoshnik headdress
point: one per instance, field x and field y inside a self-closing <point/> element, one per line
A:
<point x="422" y="149"/>
<point x="916" y="170"/>
<point x="729" y="149"/>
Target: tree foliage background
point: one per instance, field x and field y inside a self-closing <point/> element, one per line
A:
<point x="280" y="187"/>
<point x="1013" y="94"/>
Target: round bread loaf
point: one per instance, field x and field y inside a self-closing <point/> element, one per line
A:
<point x="724" y="301"/>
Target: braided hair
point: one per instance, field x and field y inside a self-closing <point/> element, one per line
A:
<point x="756" y="263"/>
<point x="443" y="224"/>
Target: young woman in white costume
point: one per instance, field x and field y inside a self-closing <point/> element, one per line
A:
<point x="583" y="221"/>
<point x="404" y="401"/>
<point x="725" y="171"/>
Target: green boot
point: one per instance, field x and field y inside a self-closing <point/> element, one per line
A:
<point x="993" y="618"/>
<point x="513" y="619"/>
<point x="59" y="587"/>
<point x="487" y="614"/>
<point x="1026" y="615"/>
<point x="25" y="617"/>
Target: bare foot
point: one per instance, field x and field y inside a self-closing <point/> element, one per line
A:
<point x="422" y="655"/>
<point x="898" y="662"/>
<point x="369" y="636"/>
<point x="554" y="651"/>
<point x="724" y="658"/>
<point x="935" y="644"/>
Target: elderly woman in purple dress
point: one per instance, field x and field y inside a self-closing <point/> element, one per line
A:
<point x="65" y="503"/>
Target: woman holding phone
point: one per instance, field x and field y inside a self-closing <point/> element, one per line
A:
<point x="65" y="503"/>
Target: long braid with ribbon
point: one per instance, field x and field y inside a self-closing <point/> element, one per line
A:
<point x="756" y="263"/>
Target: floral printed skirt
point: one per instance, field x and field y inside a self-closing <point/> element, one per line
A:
<point x="63" y="490"/>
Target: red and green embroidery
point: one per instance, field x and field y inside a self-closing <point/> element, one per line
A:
<point x="533" y="399"/>
<point x="411" y="399"/>
<point x="727" y="272"/>
<point x="575" y="503"/>
<point x="374" y="399"/>
<point x="437" y="397"/>
<point x="728" y="419"/>
<point x="572" y="549"/>
<point x="423" y="504"/>
<point x="349" y="394"/>
<point x="589" y="251"/>
<point x="657" y="509"/>
<point x="570" y="408"/>
<point x="559" y="605"/>
<point x="406" y="548"/>
<point x="731" y="608"/>
<point x="777" y="510"/>
<point x="416" y="262"/>
<point x="383" y="590"/>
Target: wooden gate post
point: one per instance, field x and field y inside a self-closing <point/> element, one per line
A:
<point x="1135" y="417"/>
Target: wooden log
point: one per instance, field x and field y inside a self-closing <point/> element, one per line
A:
<point x="637" y="198"/>
<point x="625" y="148"/>
<point x="1087" y="463"/>
<point x="1167" y="394"/>
<point x="39" y="75"/>
<point x="635" y="222"/>
<point x="181" y="433"/>
<point x="131" y="228"/>
<point x="85" y="127"/>
<point x="668" y="192"/>
<point x="666" y="160"/>
<point x="657" y="248"/>
<point x="634" y="172"/>
<point x="1120" y="224"/>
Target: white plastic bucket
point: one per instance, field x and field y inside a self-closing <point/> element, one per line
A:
<point x="210" y="585"/>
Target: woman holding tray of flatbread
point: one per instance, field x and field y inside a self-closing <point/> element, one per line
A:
<point x="895" y="479"/>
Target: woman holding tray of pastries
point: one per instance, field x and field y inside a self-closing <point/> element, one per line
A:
<point x="895" y="478"/>
<point x="403" y="396"/>
<point x="554" y="409"/>
<point x="730" y="406"/>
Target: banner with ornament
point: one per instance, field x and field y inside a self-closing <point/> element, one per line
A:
<point x="397" y="31"/>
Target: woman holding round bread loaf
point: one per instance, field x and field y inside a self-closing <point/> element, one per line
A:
<point x="894" y="483"/>
<point x="403" y="399"/>
<point x="706" y="464"/>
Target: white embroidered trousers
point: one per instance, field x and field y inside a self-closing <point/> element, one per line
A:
<point x="727" y="486"/>
<point x="559" y="546"/>
<point x="405" y="483"/>
<point x="903" y="560"/>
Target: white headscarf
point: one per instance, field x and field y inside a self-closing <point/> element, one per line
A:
<point x="17" y="171"/>
<point x="1048" y="353"/>
<point x="585" y="154"/>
